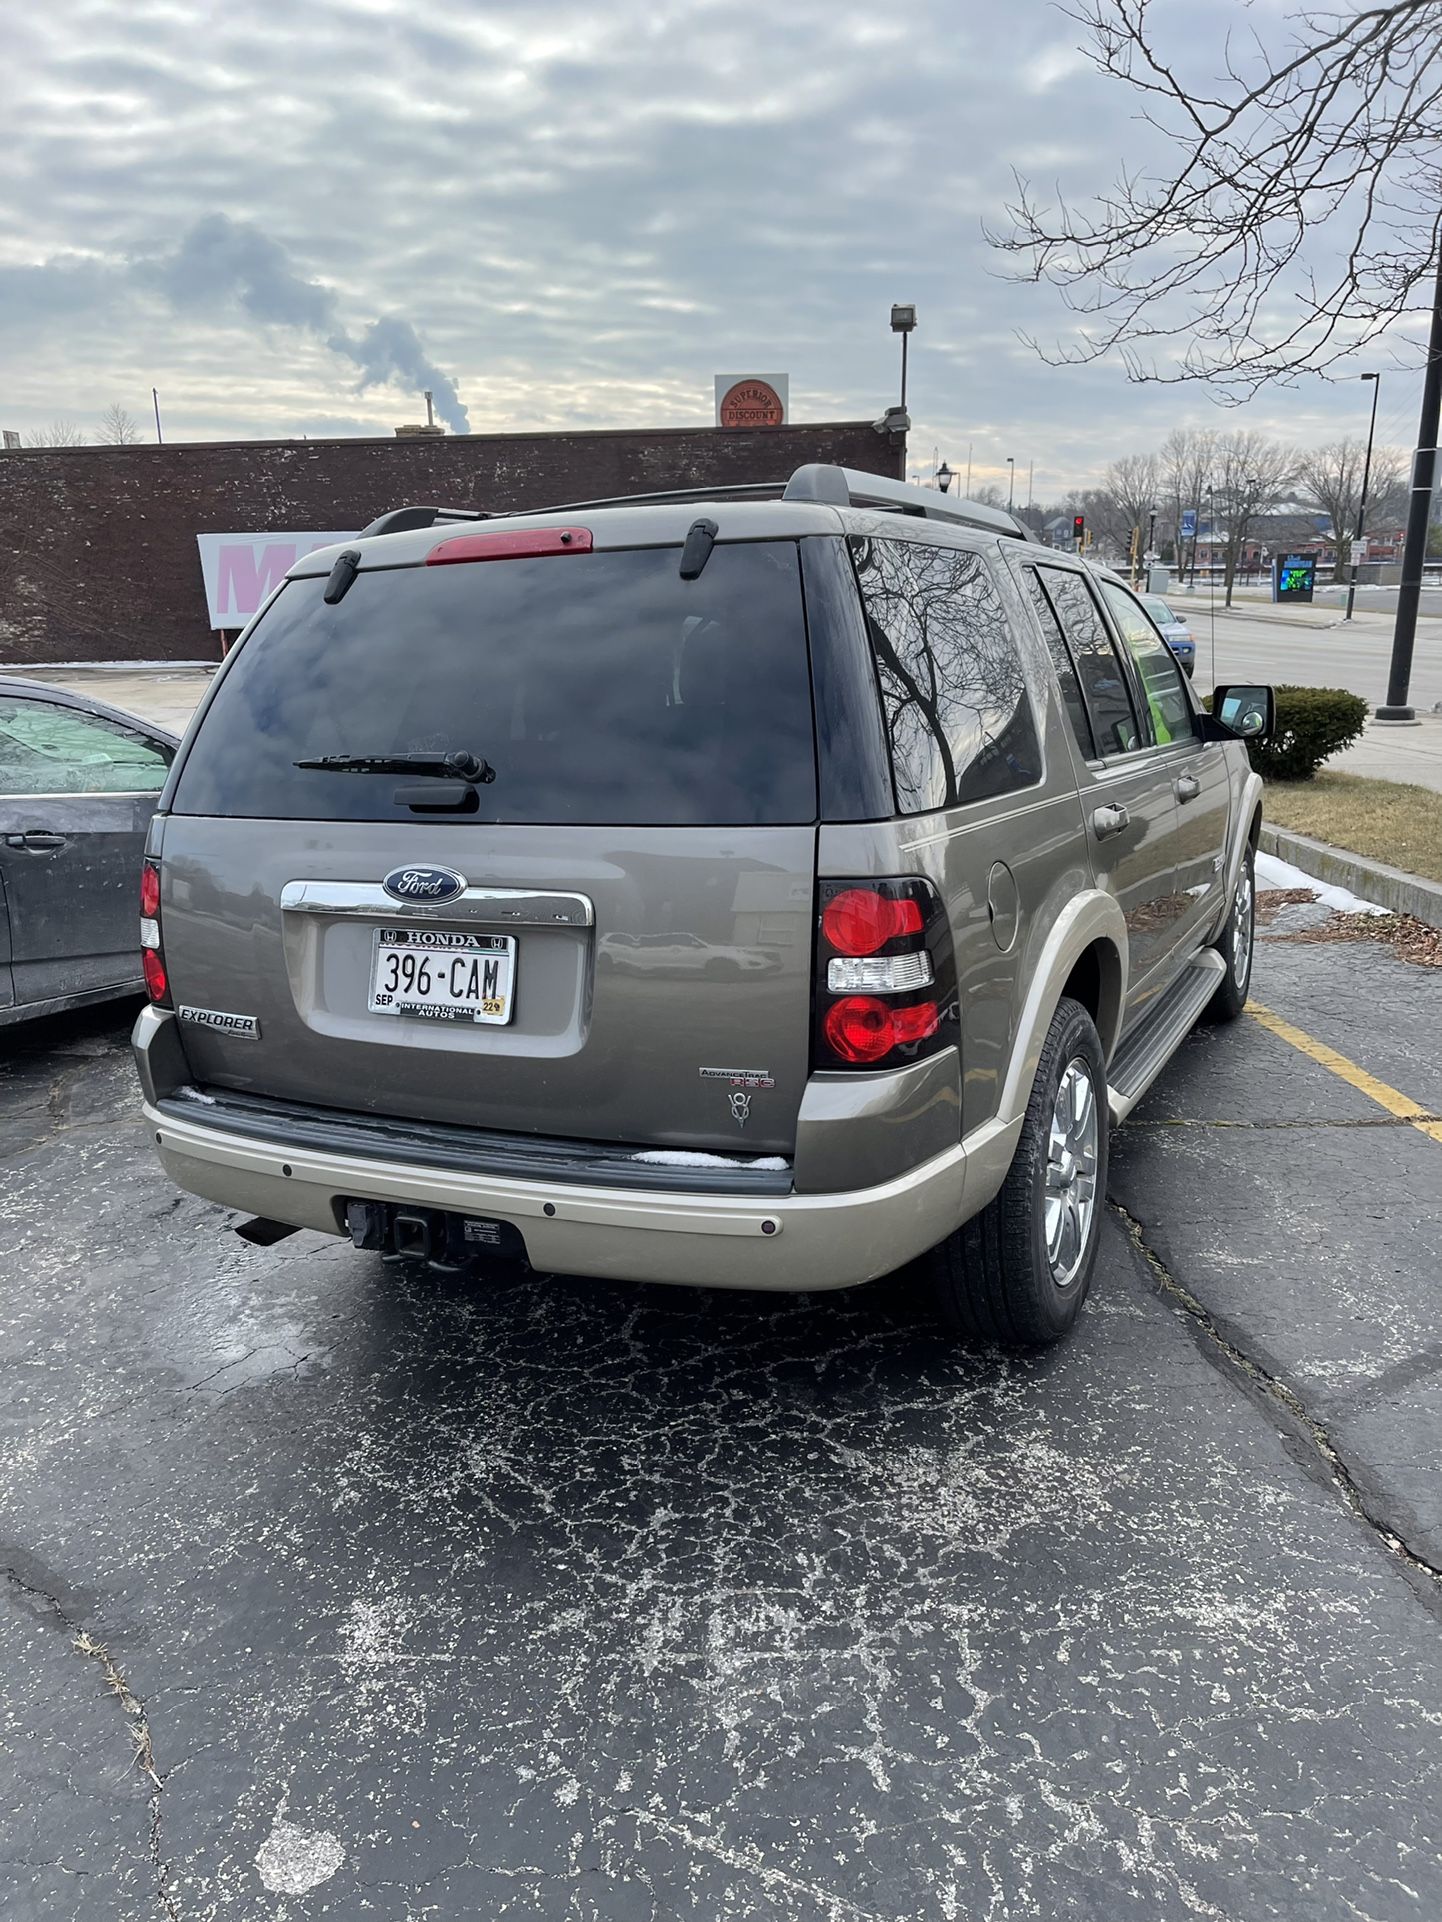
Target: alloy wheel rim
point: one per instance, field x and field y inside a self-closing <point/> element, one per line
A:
<point x="1071" y="1172"/>
<point x="1242" y="927"/>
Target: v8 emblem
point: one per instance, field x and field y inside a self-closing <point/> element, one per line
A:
<point x="740" y="1107"/>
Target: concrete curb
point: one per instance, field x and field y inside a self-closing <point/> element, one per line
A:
<point x="1373" y="880"/>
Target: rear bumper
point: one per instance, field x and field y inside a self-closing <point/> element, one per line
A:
<point x="792" y="1242"/>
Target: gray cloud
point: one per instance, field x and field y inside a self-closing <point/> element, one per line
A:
<point x="220" y="263"/>
<point x="584" y="219"/>
<point x="221" y="259"/>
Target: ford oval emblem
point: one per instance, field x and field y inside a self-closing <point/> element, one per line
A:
<point x="424" y="886"/>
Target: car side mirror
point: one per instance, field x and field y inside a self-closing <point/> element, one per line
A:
<point x="1248" y="712"/>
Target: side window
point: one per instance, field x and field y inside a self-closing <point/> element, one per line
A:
<point x="958" y="717"/>
<point x="1170" y="710"/>
<point x="46" y="749"/>
<point x="1061" y="660"/>
<point x="1103" y="678"/>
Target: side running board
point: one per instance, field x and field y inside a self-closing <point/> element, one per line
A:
<point x="1143" y="1055"/>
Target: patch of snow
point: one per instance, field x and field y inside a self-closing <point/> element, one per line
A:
<point x="1272" y="873"/>
<point x="293" y="1860"/>
<point x="186" y="1093"/>
<point x="688" y="1158"/>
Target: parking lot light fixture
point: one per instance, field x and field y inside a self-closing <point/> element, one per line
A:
<point x="943" y="477"/>
<point x="903" y="322"/>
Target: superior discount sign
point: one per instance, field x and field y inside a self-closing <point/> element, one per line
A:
<point x="241" y="569"/>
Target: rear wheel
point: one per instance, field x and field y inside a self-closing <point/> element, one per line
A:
<point x="1019" y="1272"/>
<point x="1235" y="947"/>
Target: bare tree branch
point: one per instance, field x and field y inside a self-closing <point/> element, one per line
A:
<point x="1330" y="479"/>
<point x="117" y="427"/>
<point x="60" y="433"/>
<point x="1297" y="221"/>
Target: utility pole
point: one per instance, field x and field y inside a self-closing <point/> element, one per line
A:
<point x="1376" y="380"/>
<point x="1414" y="551"/>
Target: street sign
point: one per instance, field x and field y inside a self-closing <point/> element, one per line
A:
<point x="1189" y="524"/>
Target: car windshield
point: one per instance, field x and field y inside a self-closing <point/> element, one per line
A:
<point x="1158" y="610"/>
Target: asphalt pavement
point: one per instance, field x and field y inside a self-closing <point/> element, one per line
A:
<point x="338" y="1589"/>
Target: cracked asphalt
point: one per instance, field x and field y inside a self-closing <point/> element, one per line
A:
<point x="342" y="1590"/>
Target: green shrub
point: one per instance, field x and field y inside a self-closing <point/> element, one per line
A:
<point x="1313" y="723"/>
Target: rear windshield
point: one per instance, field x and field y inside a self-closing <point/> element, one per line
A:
<point x="601" y="687"/>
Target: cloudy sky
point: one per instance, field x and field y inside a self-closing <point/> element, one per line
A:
<point x="290" y="215"/>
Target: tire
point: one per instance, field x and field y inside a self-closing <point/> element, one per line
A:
<point x="1237" y="945"/>
<point x="997" y="1278"/>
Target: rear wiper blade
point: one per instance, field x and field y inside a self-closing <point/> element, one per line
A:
<point x="459" y="765"/>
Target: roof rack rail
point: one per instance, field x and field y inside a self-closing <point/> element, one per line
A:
<point x="741" y="490"/>
<point x="400" y="520"/>
<point x="825" y="484"/>
<point x="845" y="487"/>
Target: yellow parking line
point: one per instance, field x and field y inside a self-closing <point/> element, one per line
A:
<point x="1367" y="1084"/>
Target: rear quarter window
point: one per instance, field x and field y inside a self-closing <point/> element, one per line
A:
<point x="601" y="687"/>
<point x="958" y="715"/>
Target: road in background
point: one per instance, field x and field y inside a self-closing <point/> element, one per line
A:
<point x="1306" y="646"/>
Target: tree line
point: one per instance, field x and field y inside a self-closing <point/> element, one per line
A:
<point x="118" y="428"/>
<point x="1235" y="482"/>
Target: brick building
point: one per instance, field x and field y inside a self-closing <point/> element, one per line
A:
<point x="98" y="557"/>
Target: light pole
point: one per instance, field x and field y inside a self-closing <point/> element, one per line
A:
<point x="1011" y="482"/>
<point x="159" y="437"/>
<point x="903" y="322"/>
<point x="1376" y="380"/>
<point x="1211" y="569"/>
<point x="943" y="477"/>
<point x="1414" y="548"/>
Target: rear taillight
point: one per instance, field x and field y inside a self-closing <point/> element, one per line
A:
<point x="152" y="954"/>
<point x="885" y="993"/>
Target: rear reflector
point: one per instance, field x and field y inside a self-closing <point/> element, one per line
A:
<point x="513" y="546"/>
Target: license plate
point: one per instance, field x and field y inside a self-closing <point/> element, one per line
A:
<point x="444" y="977"/>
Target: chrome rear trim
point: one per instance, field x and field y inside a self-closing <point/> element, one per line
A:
<point x="507" y="907"/>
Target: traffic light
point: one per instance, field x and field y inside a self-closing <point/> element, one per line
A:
<point x="1078" y="528"/>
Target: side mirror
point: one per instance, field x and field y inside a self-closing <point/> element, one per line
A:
<point x="1248" y="712"/>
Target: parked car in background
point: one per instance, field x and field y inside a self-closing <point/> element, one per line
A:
<point x="1174" y="630"/>
<point x="913" y="853"/>
<point x="79" y="782"/>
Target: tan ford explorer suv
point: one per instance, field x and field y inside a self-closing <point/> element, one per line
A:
<point x="755" y="889"/>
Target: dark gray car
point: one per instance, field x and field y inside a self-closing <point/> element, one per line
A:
<point x="755" y="893"/>
<point x="79" y="782"/>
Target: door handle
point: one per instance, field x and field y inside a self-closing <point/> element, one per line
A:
<point x="36" y="840"/>
<point x="1188" y="787"/>
<point x="1110" y="820"/>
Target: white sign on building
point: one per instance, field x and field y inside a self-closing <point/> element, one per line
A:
<point x="241" y="569"/>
